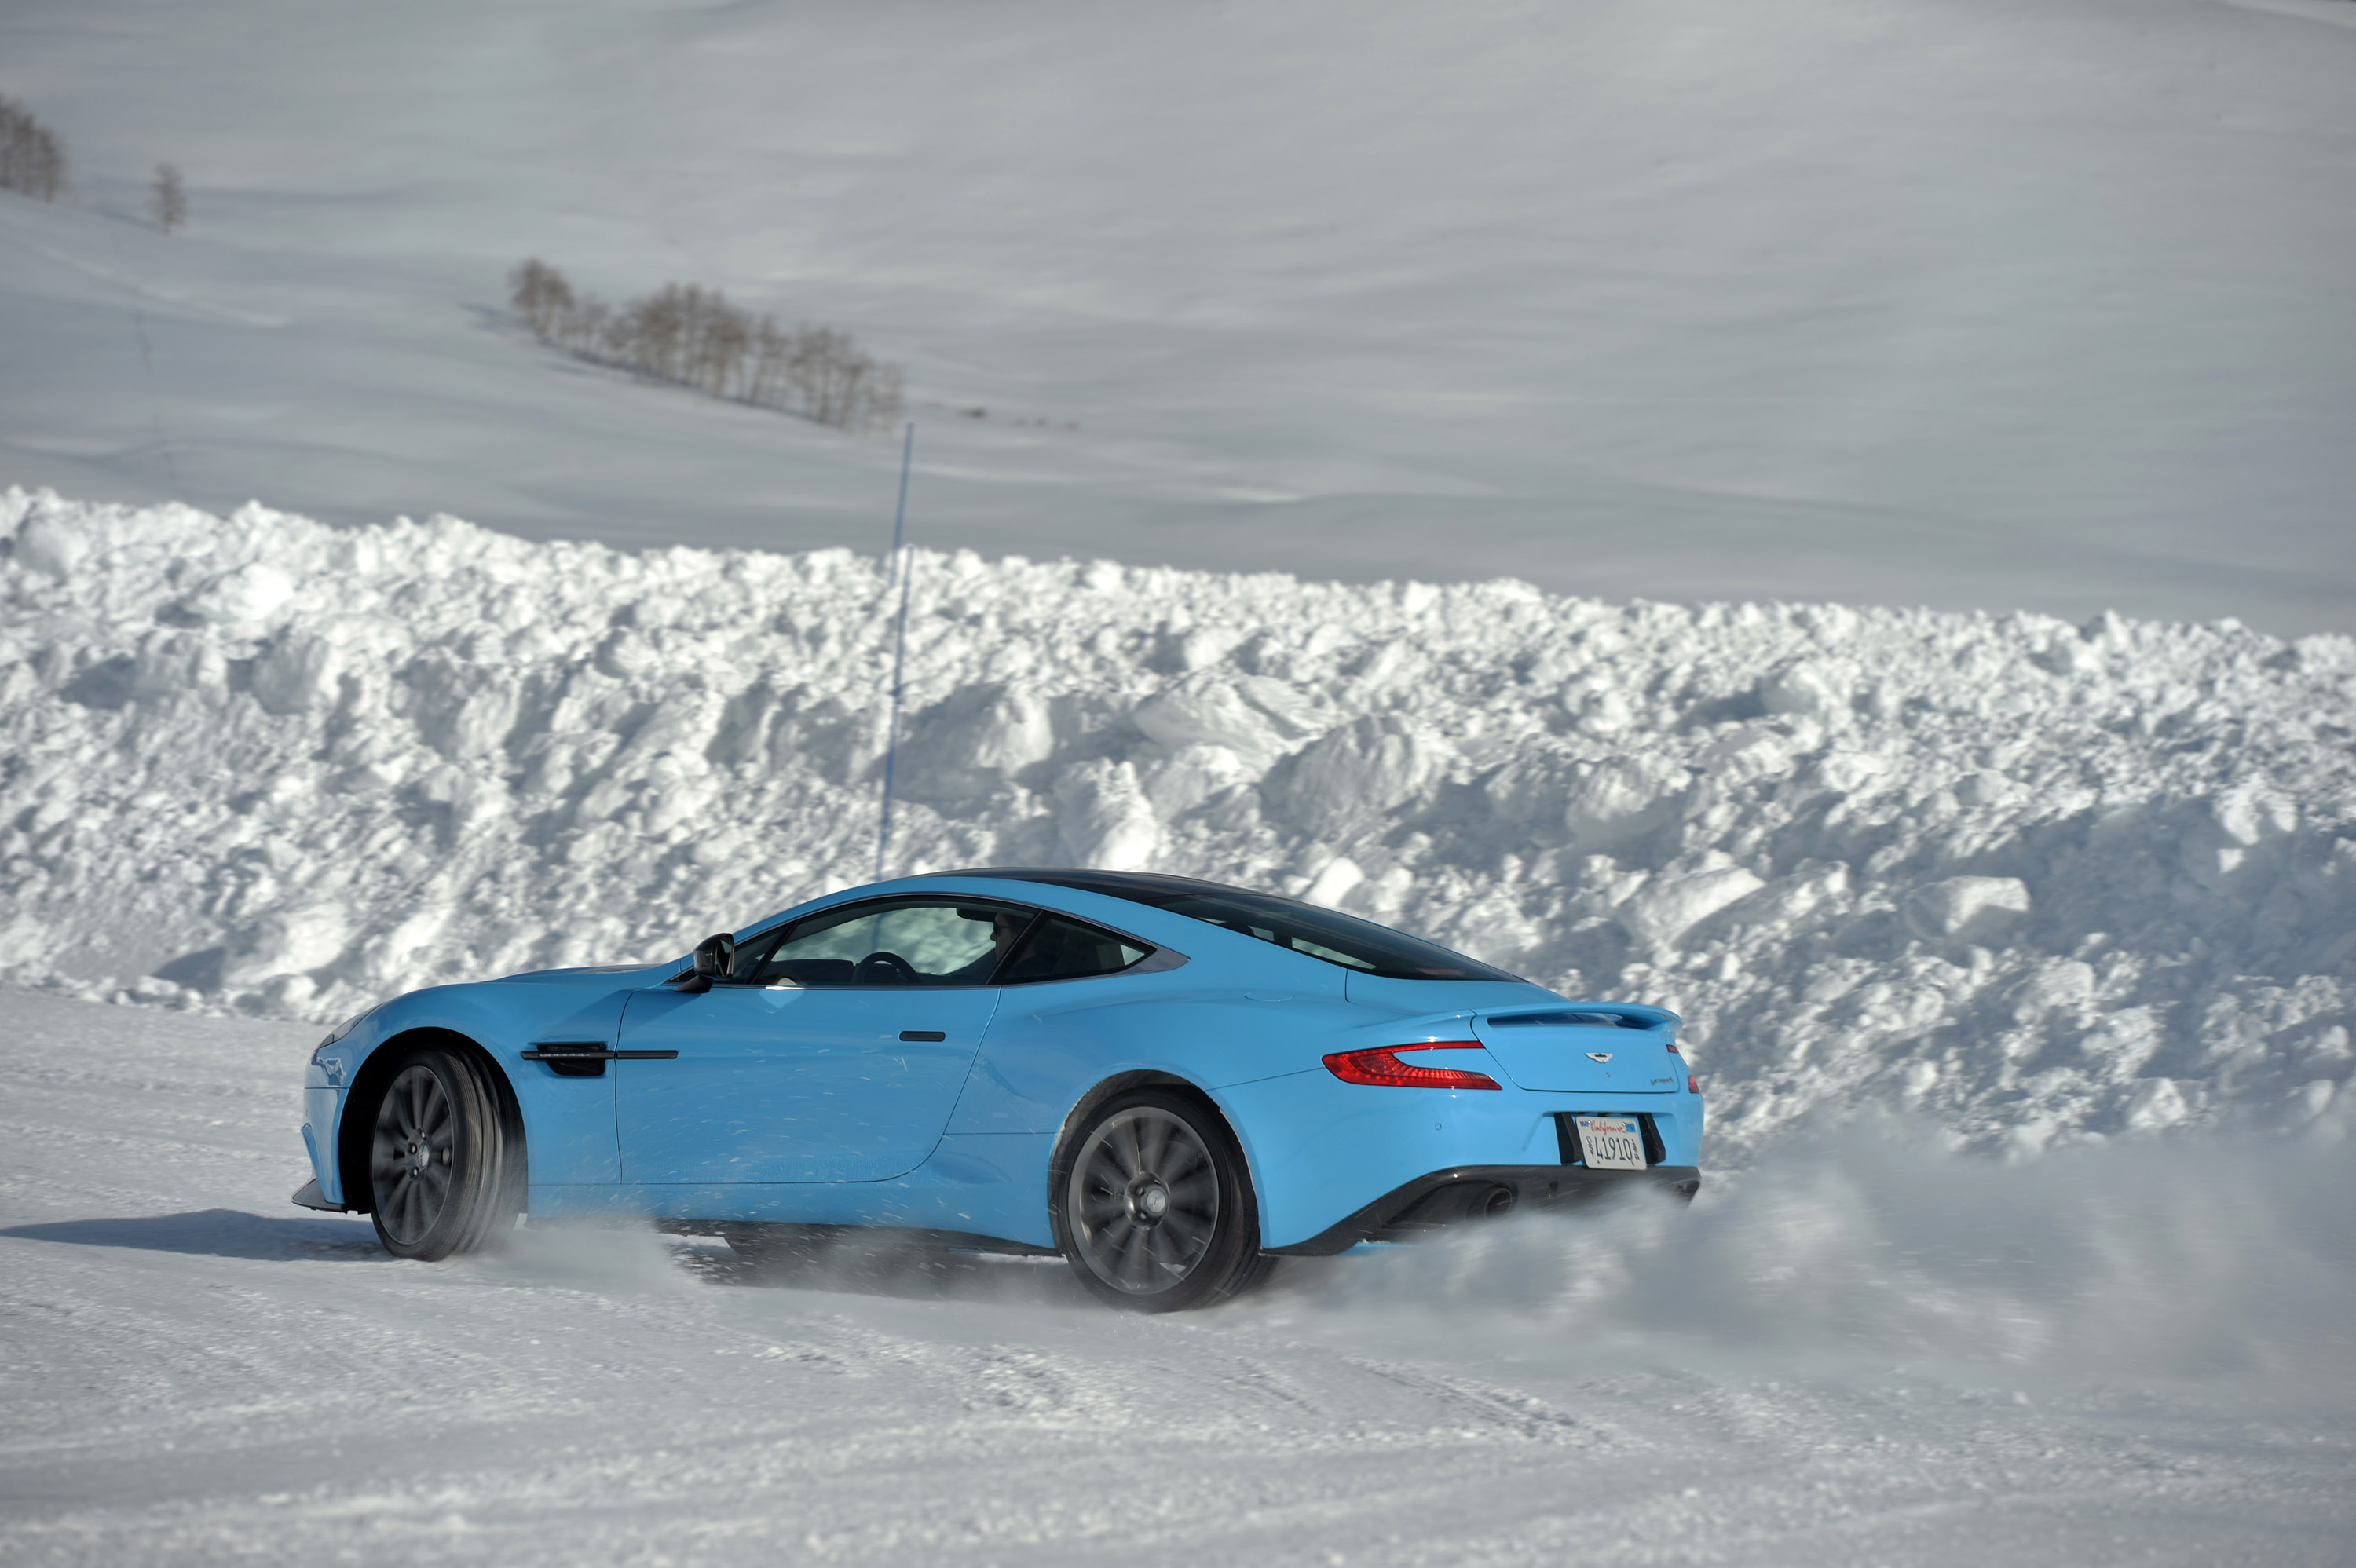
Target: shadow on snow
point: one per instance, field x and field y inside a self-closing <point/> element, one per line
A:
<point x="218" y="1233"/>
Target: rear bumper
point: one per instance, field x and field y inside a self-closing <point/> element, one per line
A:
<point x="1444" y="1198"/>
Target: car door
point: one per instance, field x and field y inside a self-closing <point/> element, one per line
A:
<point x="835" y="1053"/>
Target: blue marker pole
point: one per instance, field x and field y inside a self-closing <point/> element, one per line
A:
<point x="899" y="648"/>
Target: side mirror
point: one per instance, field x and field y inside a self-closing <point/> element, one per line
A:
<point x="713" y="954"/>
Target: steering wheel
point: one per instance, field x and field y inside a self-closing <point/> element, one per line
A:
<point x="883" y="969"/>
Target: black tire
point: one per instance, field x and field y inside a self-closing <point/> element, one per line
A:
<point x="1153" y="1204"/>
<point x="444" y="1176"/>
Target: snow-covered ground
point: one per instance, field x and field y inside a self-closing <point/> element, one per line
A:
<point x="2003" y="304"/>
<point x="1863" y="1354"/>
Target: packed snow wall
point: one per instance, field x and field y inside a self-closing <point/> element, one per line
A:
<point x="2028" y="878"/>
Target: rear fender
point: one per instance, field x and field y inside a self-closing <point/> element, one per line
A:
<point x="1077" y="1121"/>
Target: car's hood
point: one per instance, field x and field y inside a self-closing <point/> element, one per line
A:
<point x="590" y="974"/>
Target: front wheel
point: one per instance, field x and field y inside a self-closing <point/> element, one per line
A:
<point x="1154" y="1208"/>
<point x="442" y="1172"/>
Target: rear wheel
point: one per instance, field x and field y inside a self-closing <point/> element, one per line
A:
<point x="1154" y="1208"/>
<point x="441" y="1172"/>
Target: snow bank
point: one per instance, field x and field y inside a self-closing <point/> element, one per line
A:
<point x="2031" y="881"/>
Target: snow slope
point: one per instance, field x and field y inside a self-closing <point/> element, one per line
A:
<point x="2014" y="303"/>
<point x="2028" y="879"/>
<point x="1873" y="1356"/>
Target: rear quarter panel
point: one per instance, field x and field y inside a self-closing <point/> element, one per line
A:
<point x="1049" y="1044"/>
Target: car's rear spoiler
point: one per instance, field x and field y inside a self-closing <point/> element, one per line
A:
<point x="1585" y="1015"/>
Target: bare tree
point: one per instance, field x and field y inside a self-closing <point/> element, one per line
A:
<point x="588" y="326"/>
<point x="646" y="334"/>
<point x="838" y="384"/>
<point x="696" y="336"/>
<point x="32" y="159"/>
<point x="541" y="295"/>
<point x="171" y="199"/>
<point x="721" y="348"/>
<point x="769" y="381"/>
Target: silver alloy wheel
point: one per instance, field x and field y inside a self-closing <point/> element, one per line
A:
<point x="1143" y="1201"/>
<point x="410" y="1157"/>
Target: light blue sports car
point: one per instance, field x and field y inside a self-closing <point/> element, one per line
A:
<point x="1170" y="1083"/>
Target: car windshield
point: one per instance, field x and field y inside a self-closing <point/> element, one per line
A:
<point x="1323" y="933"/>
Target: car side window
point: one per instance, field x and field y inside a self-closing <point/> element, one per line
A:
<point x="901" y="942"/>
<point x="1062" y="949"/>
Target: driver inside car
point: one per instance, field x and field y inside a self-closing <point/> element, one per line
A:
<point x="1006" y="927"/>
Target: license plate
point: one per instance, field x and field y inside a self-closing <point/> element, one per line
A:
<point x="1610" y="1143"/>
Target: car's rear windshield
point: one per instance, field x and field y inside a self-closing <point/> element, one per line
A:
<point x="1320" y="933"/>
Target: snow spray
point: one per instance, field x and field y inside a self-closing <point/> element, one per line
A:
<point x="2218" y="1255"/>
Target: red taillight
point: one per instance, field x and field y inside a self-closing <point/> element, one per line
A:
<point x="1673" y="1048"/>
<point x="1381" y="1065"/>
<point x="1693" y="1082"/>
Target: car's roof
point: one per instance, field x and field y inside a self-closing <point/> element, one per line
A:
<point x="1329" y="935"/>
<point x="1136" y="886"/>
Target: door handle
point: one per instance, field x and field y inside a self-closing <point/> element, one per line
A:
<point x="933" y="1034"/>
